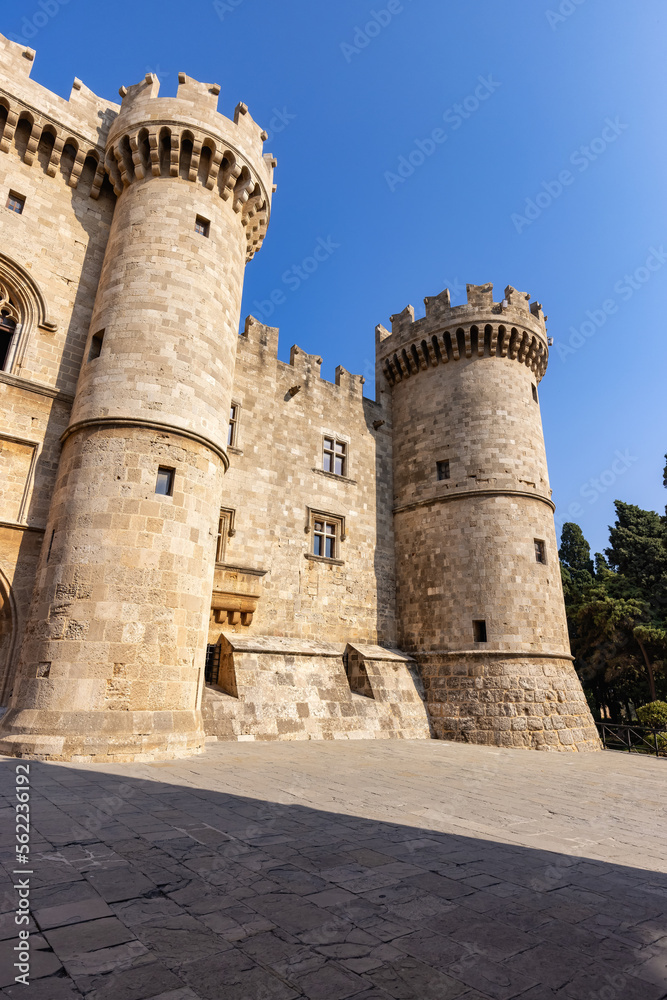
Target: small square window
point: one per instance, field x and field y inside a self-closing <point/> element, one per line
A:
<point x="334" y="456"/>
<point x="540" y="551"/>
<point x="96" y="345"/>
<point x="534" y="388"/>
<point x="15" y="202"/>
<point x="164" y="485"/>
<point x="442" y="469"/>
<point x="479" y="630"/>
<point x="233" y="425"/>
<point x="202" y="226"/>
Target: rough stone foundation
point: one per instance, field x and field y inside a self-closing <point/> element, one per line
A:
<point x="531" y="702"/>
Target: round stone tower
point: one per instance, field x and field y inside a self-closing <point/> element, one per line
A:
<point x="112" y="661"/>
<point x="480" y="604"/>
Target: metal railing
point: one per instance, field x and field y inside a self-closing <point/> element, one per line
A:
<point x="633" y="738"/>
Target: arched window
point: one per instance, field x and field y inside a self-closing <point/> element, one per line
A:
<point x="9" y="328"/>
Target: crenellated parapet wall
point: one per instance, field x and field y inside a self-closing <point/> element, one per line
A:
<point x="480" y="328"/>
<point x="260" y="339"/>
<point x="187" y="137"/>
<point x="32" y="118"/>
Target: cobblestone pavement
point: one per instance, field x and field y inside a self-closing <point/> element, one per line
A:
<point x="373" y="870"/>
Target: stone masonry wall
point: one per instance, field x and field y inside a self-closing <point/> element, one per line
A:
<point x="50" y="261"/>
<point x="272" y="688"/>
<point x="276" y="473"/>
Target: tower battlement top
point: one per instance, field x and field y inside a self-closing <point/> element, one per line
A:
<point x="476" y="327"/>
<point x="515" y="306"/>
<point x="194" y="113"/>
<point x="187" y="137"/>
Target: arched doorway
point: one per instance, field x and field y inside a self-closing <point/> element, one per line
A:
<point x="6" y="639"/>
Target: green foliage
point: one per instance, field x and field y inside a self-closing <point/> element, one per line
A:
<point x="575" y="552"/>
<point x="654" y="714"/>
<point x="638" y="551"/>
<point x="617" y="609"/>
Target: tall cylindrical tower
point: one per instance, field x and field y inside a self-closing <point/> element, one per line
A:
<point x="113" y="656"/>
<point x="480" y="603"/>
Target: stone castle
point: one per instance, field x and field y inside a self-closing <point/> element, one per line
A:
<point x="199" y="541"/>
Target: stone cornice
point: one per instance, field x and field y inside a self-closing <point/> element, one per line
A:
<point x="149" y="425"/>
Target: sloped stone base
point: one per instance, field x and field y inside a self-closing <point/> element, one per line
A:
<point x="272" y="688"/>
<point x="521" y="700"/>
<point x="101" y="737"/>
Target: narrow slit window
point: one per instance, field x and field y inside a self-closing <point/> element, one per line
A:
<point x="479" y="630"/>
<point x="335" y="456"/>
<point x="225" y="530"/>
<point x="202" y="226"/>
<point x="15" y="203"/>
<point x="534" y="388"/>
<point x="164" y="485"/>
<point x="7" y="332"/>
<point x="233" y="425"/>
<point x="442" y="469"/>
<point x="540" y="551"/>
<point x="96" y="345"/>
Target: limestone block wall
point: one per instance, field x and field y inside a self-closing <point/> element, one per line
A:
<point x="112" y="659"/>
<point x="276" y="474"/>
<point x="273" y="688"/>
<point x="50" y="261"/>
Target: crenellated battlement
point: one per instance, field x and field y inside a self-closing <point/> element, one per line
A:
<point x="32" y="117"/>
<point x="187" y="137"/>
<point x="513" y="328"/>
<point x="305" y="367"/>
<point x="145" y="136"/>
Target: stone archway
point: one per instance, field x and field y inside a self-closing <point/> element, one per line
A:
<point x="7" y="634"/>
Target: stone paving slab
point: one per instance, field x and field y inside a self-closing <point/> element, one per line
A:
<point x="327" y="871"/>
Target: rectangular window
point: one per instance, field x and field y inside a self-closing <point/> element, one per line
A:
<point x="479" y="630"/>
<point x="164" y="485"/>
<point x="233" y="425"/>
<point x="15" y="202"/>
<point x="535" y="393"/>
<point x="325" y="539"/>
<point x="540" y="551"/>
<point x="96" y="345"/>
<point x="202" y="226"/>
<point x="335" y="457"/>
<point x="442" y="469"/>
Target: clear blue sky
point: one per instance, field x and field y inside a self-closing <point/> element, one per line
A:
<point x="582" y="92"/>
